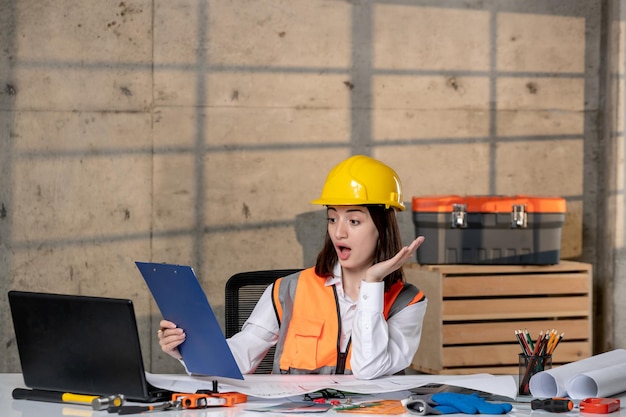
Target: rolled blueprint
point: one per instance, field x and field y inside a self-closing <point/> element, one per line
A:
<point x="554" y="382"/>
<point x="598" y="383"/>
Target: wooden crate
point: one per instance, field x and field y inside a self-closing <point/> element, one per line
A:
<point x="474" y="310"/>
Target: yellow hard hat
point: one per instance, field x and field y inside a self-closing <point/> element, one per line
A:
<point x="362" y="180"/>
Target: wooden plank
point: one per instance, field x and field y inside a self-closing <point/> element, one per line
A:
<point x="499" y="285"/>
<point x="463" y="356"/>
<point x="448" y="269"/>
<point x="429" y="351"/>
<point x="494" y="370"/>
<point x="504" y="331"/>
<point x="515" y="308"/>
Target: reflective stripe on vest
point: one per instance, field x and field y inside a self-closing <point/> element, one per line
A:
<point x="308" y="314"/>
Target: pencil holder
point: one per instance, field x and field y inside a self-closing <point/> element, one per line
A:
<point x="529" y="365"/>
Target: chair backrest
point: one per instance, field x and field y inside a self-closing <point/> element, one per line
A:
<point x="243" y="290"/>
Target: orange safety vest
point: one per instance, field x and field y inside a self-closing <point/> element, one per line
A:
<point x="308" y="315"/>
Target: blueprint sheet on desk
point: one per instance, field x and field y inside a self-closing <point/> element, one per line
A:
<point x="281" y="386"/>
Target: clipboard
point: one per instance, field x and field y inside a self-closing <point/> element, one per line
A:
<point x="181" y="300"/>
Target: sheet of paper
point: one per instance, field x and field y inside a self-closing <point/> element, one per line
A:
<point x="281" y="386"/>
<point x="181" y="300"/>
<point x="554" y="382"/>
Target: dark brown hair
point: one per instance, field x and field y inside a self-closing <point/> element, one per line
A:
<point x="389" y="243"/>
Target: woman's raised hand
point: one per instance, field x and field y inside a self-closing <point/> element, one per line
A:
<point x="380" y="270"/>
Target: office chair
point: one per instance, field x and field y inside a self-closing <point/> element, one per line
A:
<point x="243" y="290"/>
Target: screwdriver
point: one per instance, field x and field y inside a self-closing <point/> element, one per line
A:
<point x="553" y="405"/>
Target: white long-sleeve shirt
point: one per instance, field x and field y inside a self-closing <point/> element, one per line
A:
<point x="379" y="346"/>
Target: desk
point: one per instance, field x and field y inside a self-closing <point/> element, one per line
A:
<point x="22" y="408"/>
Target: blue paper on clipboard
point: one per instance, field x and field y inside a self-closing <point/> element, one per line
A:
<point x="181" y="300"/>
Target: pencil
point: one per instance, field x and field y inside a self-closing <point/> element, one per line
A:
<point x="544" y="343"/>
<point x="538" y="344"/>
<point x="529" y="340"/>
<point x="556" y="343"/>
<point x="522" y="341"/>
<point x="551" y="341"/>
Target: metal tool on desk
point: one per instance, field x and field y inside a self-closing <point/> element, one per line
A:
<point x="136" y="409"/>
<point x="97" y="402"/>
<point x="599" y="405"/>
<point x="203" y="399"/>
<point x="181" y="400"/>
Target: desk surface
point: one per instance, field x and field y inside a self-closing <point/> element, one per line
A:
<point x="23" y="408"/>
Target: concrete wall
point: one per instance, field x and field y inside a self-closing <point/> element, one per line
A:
<point x="197" y="131"/>
<point x="614" y="242"/>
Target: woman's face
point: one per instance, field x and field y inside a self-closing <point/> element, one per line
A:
<point x="353" y="234"/>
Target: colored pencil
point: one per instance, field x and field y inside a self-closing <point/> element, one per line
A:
<point x="529" y="340"/>
<point x="556" y="343"/>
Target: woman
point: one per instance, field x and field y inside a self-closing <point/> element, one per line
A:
<point x="352" y="312"/>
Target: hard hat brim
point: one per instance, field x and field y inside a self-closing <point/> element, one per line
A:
<point x="354" y="202"/>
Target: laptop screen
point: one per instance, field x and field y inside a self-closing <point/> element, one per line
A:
<point x="79" y="344"/>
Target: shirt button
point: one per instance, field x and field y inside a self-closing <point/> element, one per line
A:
<point x="365" y="296"/>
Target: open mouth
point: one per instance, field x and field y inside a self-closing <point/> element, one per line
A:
<point x="343" y="252"/>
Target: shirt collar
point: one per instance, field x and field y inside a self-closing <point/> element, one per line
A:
<point x="336" y="277"/>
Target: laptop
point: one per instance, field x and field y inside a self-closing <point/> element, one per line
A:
<point x="80" y="344"/>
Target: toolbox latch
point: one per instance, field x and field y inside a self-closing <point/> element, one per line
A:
<point x="459" y="216"/>
<point x="518" y="216"/>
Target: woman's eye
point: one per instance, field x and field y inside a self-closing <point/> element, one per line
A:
<point x="331" y="220"/>
<point x="355" y="222"/>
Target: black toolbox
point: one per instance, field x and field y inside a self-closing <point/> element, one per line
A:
<point x="514" y="230"/>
